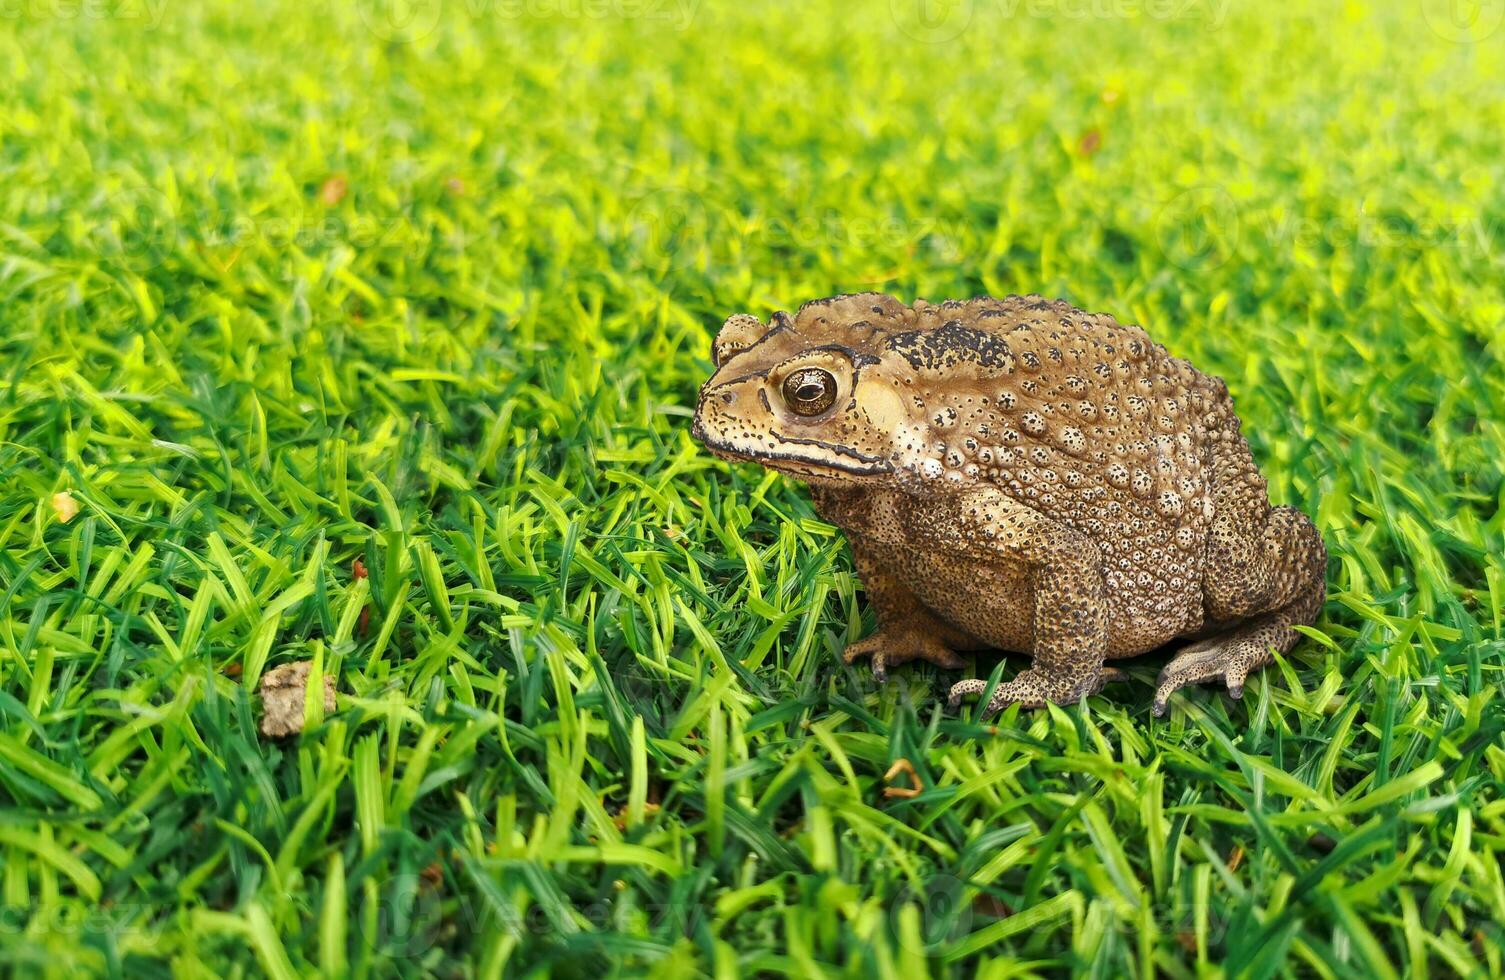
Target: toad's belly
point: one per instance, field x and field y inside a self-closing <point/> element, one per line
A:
<point x="992" y="603"/>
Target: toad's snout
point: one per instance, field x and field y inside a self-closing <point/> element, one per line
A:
<point x="707" y="410"/>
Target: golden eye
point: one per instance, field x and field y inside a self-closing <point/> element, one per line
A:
<point x="809" y="391"/>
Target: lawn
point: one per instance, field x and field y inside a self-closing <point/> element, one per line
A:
<point x="368" y="336"/>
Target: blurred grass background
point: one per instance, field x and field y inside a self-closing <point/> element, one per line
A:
<point x="289" y="287"/>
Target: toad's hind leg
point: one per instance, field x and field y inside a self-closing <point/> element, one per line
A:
<point x="1273" y="582"/>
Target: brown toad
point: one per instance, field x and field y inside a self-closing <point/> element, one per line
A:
<point x="1020" y="475"/>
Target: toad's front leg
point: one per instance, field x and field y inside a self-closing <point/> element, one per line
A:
<point x="906" y="629"/>
<point x="1069" y="617"/>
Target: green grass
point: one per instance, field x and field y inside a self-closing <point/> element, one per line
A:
<point x="280" y="293"/>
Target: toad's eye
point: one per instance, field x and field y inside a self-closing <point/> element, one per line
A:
<point x="809" y="391"/>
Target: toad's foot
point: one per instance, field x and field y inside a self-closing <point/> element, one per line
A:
<point x="897" y="645"/>
<point x="1034" y="689"/>
<point x="1228" y="656"/>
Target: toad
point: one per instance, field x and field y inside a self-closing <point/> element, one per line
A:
<point x="1017" y="474"/>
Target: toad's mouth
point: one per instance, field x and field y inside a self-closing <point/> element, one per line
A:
<point x="835" y="460"/>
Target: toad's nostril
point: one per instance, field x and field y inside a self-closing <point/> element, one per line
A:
<point x="726" y="397"/>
